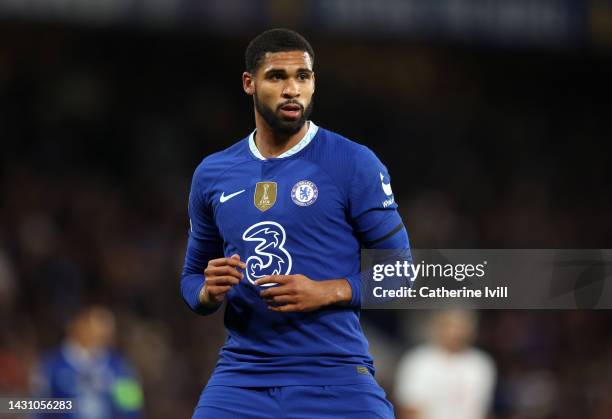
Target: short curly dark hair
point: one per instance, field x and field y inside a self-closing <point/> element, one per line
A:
<point x="274" y="40"/>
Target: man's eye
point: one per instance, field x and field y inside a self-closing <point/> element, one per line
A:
<point x="304" y="76"/>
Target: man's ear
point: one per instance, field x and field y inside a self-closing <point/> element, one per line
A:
<point x="314" y="84"/>
<point x="248" y="83"/>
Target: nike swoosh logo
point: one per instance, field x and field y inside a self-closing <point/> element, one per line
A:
<point x="223" y="198"/>
<point x="386" y="186"/>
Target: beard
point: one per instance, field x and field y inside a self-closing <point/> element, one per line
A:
<point x="278" y="124"/>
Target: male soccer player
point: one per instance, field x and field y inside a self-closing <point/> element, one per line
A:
<point x="289" y="207"/>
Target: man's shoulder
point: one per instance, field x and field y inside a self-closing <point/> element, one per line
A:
<point x="423" y="352"/>
<point x="416" y="359"/>
<point x="52" y="358"/>
<point x="481" y="358"/>
<point x="344" y="153"/>
<point x="217" y="162"/>
<point x="336" y="140"/>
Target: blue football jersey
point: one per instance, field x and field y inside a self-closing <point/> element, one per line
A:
<point x="308" y="211"/>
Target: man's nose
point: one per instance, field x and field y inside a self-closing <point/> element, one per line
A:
<point x="291" y="89"/>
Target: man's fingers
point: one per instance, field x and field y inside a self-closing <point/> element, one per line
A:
<point x="281" y="299"/>
<point x="222" y="270"/>
<point x="222" y="280"/>
<point x="286" y="307"/>
<point x="231" y="261"/>
<point x="218" y="289"/>
<point x="218" y="292"/>
<point x="271" y="279"/>
<point x="220" y="261"/>
<point x="274" y="291"/>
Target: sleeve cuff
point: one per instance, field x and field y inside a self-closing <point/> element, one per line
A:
<point x="355" y="283"/>
<point x="191" y="286"/>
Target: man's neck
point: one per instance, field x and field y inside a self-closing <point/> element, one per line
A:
<point x="272" y="144"/>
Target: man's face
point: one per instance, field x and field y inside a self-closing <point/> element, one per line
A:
<point x="454" y="330"/>
<point x="282" y="90"/>
<point x="94" y="328"/>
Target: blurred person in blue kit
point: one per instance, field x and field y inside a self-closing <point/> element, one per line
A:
<point x="86" y="369"/>
<point x="446" y="378"/>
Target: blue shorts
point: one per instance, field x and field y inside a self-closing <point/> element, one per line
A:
<point x="353" y="401"/>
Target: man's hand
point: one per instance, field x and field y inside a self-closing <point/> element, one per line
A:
<point x="300" y="293"/>
<point x="219" y="277"/>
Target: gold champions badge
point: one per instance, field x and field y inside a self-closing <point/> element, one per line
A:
<point x="265" y="195"/>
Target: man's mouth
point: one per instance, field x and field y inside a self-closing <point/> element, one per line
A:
<point x="291" y="110"/>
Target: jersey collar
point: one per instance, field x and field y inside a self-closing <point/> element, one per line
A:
<point x="312" y="131"/>
<point x="79" y="358"/>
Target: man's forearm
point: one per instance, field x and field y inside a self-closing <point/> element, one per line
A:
<point x="338" y="291"/>
<point x="206" y="300"/>
<point x="191" y="290"/>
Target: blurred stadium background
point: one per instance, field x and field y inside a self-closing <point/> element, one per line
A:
<point x="493" y="118"/>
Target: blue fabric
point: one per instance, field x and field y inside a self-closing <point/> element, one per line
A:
<point x="357" y="401"/>
<point x="92" y="386"/>
<point x="347" y="203"/>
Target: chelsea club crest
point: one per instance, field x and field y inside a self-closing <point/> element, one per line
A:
<point x="304" y="193"/>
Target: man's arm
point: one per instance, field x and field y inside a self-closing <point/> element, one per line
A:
<point x="300" y="293"/>
<point x="373" y="212"/>
<point x="198" y="255"/>
<point x="203" y="246"/>
<point x="396" y="239"/>
<point x="219" y="277"/>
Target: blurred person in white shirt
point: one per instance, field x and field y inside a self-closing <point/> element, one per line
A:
<point x="446" y="378"/>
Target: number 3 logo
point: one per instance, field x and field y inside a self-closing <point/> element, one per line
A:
<point x="270" y="257"/>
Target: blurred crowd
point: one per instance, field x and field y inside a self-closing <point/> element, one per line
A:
<point x="101" y="131"/>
